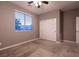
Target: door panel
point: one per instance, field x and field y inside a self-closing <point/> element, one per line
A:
<point x="77" y="29"/>
<point x="48" y="29"/>
<point x="77" y="37"/>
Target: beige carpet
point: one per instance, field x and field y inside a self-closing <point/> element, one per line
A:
<point x="43" y="48"/>
<point x="41" y="53"/>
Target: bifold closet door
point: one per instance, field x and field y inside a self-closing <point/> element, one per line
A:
<point x="48" y="29"/>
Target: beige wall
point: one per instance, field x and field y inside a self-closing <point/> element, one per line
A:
<point x="51" y="15"/>
<point x="66" y="23"/>
<point x="8" y="35"/>
<point x="70" y="24"/>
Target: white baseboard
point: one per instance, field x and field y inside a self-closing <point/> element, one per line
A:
<point x="18" y="44"/>
<point x="51" y="40"/>
<point x="69" y="41"/>
<point x="58" y="42"/>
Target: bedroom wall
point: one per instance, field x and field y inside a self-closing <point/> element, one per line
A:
<point x="66" y="28"/>
<point x="70" y="24"/>
<point x="8" y="35"/>
<point x="51" y="15"/>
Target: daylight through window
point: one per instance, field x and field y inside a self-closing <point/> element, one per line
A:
<point x="23" y="21"/>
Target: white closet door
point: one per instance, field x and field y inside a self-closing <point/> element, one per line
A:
<point x="77" y="29"/>
<point x="48" y="29"/>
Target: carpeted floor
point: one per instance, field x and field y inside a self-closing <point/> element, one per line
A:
<point x="43" y="48"/>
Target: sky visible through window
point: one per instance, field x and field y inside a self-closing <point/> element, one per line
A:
<point x="23" y="21"/>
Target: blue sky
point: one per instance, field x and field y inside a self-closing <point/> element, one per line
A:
<point x="20" y="16"/>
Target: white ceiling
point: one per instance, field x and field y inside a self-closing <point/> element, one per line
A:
<point x="53" y="5"/>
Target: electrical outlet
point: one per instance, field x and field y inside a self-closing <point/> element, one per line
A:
<point x="0" y="43"/>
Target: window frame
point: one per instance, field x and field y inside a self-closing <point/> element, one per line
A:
<point x="24" y="20"/>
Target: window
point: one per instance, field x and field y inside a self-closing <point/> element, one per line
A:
<point x="23" y="21"/>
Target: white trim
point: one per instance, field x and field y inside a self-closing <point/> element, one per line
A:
<point x="58" y="42"/>
<point x="14" y="45"/>
<point x="69" y="41"/>
<point x="52" y="40"/>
